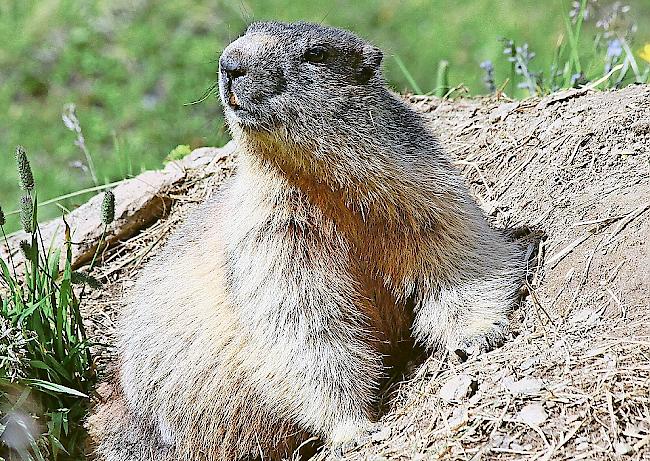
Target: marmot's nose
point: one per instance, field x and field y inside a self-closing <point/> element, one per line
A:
<point x="232" y="67"/>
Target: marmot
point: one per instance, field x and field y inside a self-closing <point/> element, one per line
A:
<point x="269" y="317"/>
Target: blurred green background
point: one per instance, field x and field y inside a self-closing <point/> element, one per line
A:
<point x="131" y="67"/>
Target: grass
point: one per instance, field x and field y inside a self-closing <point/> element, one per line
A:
<point x="47" y="372"/>
<point x="130" y="67"/>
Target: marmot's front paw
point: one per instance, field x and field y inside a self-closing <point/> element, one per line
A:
<point x="477" y="342"/>
<point x="347" y="437"/>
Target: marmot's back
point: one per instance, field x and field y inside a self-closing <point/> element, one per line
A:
<point x="278" y="309"/>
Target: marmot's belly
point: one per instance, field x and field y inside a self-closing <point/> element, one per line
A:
<point x="195" y="366"/>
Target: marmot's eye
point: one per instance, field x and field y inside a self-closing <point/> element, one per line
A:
<point x="316" y="54"/>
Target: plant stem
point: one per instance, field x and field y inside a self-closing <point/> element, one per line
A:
<point x="442" y="79"/>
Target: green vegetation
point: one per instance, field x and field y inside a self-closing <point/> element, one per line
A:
<point x="47" y="372"/>
<point x="100" y="90"/>
<point x="131" y="68"/>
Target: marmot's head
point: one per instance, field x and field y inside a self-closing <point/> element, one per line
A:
<point x="297" y="80"/>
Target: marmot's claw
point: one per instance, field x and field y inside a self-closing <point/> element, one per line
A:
<point x="493" y="338"/>
<point x="340" y="449"/>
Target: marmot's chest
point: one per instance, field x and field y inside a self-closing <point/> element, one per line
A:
<point x="322" y="230"/>
<point x="299" y="242"/>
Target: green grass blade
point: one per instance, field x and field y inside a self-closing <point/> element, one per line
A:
<point x="442" y="79"/>
<point x="53" y="387"/>
<point x="407" y="75"/>
<point x="37" y="451"/>
<point x="9" y="280"/>
<point x="25" y="314"/>
<point x="56" y="368"/>
<point x="60" y="198"/>
<point x="573" y="43"/>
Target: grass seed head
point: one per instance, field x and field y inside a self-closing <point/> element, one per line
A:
<point x="83" y="278"/>
<point x="26" y="248"/>
<point x="108" y="207"/>
<point x="25" y="175"/>
<point x="27" y="213"/>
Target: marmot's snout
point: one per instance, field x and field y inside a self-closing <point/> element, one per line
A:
<point x="230" y="69"/>
<point x="249" y="75"/>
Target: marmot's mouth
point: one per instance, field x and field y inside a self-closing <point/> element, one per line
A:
<point x="233" y="100"/>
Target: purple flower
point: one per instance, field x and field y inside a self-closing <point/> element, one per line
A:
<point x="488" y="78"/>
<point x="614" y="48"/>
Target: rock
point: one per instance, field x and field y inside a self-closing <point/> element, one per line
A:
<point x="527" y="385"/>
<point x="138" y="202"/>
<point x="622" y="448"/>
<point x="587" y="315"/>
<point x="206" y="156"/>
<point x="501" y="112"/>
<point x="456" y="388"/>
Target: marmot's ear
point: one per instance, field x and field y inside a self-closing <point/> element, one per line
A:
<point x="370" y="62"/>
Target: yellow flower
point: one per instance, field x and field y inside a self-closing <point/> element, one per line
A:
<point x="645" y="53"/>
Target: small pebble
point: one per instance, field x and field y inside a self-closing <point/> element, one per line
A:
<point x="622" y="448"/>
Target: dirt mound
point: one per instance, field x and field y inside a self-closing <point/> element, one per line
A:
<point x="575" y="382"/>
<point x="573" y="168"/>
